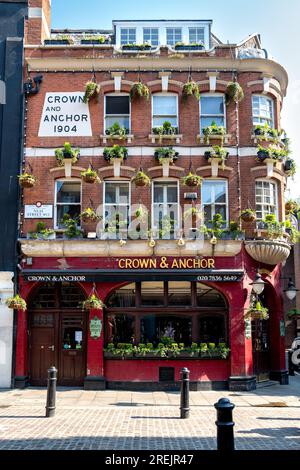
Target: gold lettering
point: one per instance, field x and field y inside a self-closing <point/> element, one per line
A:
<point x="121" y="263"/>
<point x="152" y="263"/>
<point x="175" y="263"/>
<point x="203" y="263"/>
<point x="135" y="263"/>
<point x="128" y="263"/>
<point x="189" y="263"/>
<point x="197" y="263"/>
<point x="182" y="263"/>
<point x="211" y="263"/>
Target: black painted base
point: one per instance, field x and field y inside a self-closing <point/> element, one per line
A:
<point x="166" y="386"/>
<point x="242" y="384"/>
<point x="21" y="381"/>
<point x="94" y="383"/>
<point x="282" y="376"/>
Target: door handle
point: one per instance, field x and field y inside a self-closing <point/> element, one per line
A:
<point x="51" y="347"/>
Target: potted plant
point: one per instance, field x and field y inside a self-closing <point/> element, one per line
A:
<point x="165" y="130"/>
<point x="89" y="215"/>
<point x="42" y="232"/>
<point x="257" y="312"/>
<point x="223" y="350"/>
<point x="293" y="233"/>
<point x="115" y="155"/>
<point x="59" y="40"/>
<point x="212" y="350"/>
<point x="16" y="303"/>
<point x="203" y="350"/>
<point x="266" y="132"/>
<point x="248" y="215"/>
<point x="166" y="156"/>
<point x="92" y="90"/>
<point x="139" y="90"/>
<point x="192" y="46"/>
<point x="27" y="180"/>
<point x="90" y="176"/>
<point x="191" y="88"/>
<point x="216" y="226"/>
<point x="92" y="303"/>
<point x="141" y="179"/>
<point x="67" y="156"/>
<point x="72" y="231"/>
<point x="234" y="92"/>
<point x="136" y="47"/>
<point x="117" y="131"/>
<point x="213" y="131"/>
<point x="234" y="233"/>
<point x="217" y="155"/>
<point x="290" y="167"/>
<point x="144" y="350"/>
<point x="192" y="180"/>
<point x="94" y="39"/>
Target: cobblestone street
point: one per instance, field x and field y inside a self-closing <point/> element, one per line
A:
<point x="265" y="419"/>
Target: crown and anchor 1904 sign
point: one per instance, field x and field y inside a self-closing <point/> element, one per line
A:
<point x="95" y="327"/>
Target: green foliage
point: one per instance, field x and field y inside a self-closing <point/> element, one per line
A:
<point x="164" y="154"/>
<point x="214" y="130"/>
<point x="191" y="89"/>
<point x="92" y="303"/>
<point x="67" y="152"/>
<point x="27" y="180"/>
<point x="165" y="129"/>
<point x="141" y="179"/>
<point x="92" y="89"/>
<point x="89" y="215"/>
<point x="275" y="229"/>
<point x="265" y="132"/>
<point x="71" y="227"/>
<point x="116" y="151"/>
<point x="90" y="176"/>
<point x="234" y="92"/>
<point x="16" y="303"/>
<point x="117" y="131"/>
<point x="41" y="231"/>
<point x="139" y="90"/>
<point x="217" y="152"/>
<point x="271" y="152"/>
<point x="256" y="310"/>
<point x="192" y="180"/>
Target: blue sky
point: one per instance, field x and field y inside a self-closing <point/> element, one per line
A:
<point x="233" y="20"/>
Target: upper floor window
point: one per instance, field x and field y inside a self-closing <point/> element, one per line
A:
<point x="165" y="208"/>
<point x="196" y="35"/>
<point x="67" y="200"/>
<point x="151" y="36"/>
<point x="265" y="198"/>
<point x="212" y="109"/>
<point x="116" y="208"/>
<point x="117" y="109"/>
<point x="174" y="35"/>
<point x="262" y="110"/>
<point x="214" y="197"/>
<point x="164" y="108"/>
<point x="128" y="36"/>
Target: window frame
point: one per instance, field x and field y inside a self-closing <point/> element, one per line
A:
<point x="116" y="115"/>
<point x="263" y="204"/>
<point x="212" y="95"/>
<point x="271" y="122"/>
<point x="212" y="179"/>
<point x="65" y="180"/>
<point x="118" y="181"/>
<point x="173" y="28"/>
<point x="165" y="181"/>
<point x="197" y="28"/>
<point x="162" y="94"/>
<point x="128" y="42"/>
<point x="150" y="41"/>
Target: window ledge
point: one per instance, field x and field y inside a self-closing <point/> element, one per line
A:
<point x="205" y="140"/>
<point x="127" y="137"/>
<point x="158" y="138"/>
<point x="261" y="138"/>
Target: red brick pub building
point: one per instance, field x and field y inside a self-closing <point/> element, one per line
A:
<point x="181" y="293"/>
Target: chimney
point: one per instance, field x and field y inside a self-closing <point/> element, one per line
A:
<point x="39" y="21"/>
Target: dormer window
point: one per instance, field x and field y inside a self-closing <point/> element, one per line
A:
<point x="196" y="35"/>
<point x="151" y="36"/>
<point x="174" y="35"/>
<point x="128" y="36"/>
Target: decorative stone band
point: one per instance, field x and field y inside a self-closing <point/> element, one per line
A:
<point x="268" y="251"/>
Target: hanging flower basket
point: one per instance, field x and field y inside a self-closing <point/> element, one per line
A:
<point x="248" y="215"/>
<point x="92" y="303"/>
<point x="192" y="180"/>
<point x="26" y="180"/>
<point x="90" y="176"/>
<point x="139" y="90"/>
<point x="291" y="206"/>
<point x="191" y="89"/>
<point x="92" y="90"/>
<point x="89" y="215"/>
<point x="16" y="303"/>
<point x="141" y="179"/>
<point x="257" y="312"/>
<point x="290" y="167"/>
<point x="234" y="92"/>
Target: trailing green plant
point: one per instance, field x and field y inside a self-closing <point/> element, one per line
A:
<point x="41" y="232"/>
<point x="292" y="231"/>
<point x="92" y="90"/>
<point x="92" y="303"/>
<point x="141" y="179"/>
<point x="257" y="311"/>
<point x="166" y="226"/>
<point x="116" y="151"/>
<point x="117" y="131"/>
<point x="89" y="215"/>
<point x="140" y="47"/>
<point x="27" y="180"/>
<point x="223" y="350"/>
<point x="290" y="167"/>
<point x="16" y="303"/>
<point x="165" y="154"/>
<point x="248" y="215"/>
<point x="214" y="130"/>
<point x="234" y="231"/>
<point x="216" y="226"/>
<point x="191" y="179"/>
<point x="271" y="152"/>
<point x="275" y="229"/>
<point x="90" y="176"/>
<point x="291" y="206"/>
<point x="234" y="92"/>
<point x="139" y="90"/>
<point x="67" y="152"/>
<point x="191" y="88"/>
<point x="165" y="129"/>
<point x="72" y="231"/>
<point x="219" y="153"/>
<point x="265" y="132"/>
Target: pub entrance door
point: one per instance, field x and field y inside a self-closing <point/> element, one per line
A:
<point x="261" y="349"/>
<point x="57" y="336"/>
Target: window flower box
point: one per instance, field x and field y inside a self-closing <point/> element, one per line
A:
<point x="189" y="47"/>
<point x="115" y="155"/>
<point x="58" y="42"/>
<point x="136" y="47"/>
<point x="216" y="156"/>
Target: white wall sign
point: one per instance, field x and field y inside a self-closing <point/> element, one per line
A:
<point x="38" y="211"/>
<point x="65" y="115"/>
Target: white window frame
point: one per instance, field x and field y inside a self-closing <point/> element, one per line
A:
<point x="127" y="29"/>
<point x="164" y="181"/>
<point x="271" y="121"/>
<point x="117" y="181"/>
<point x="116" y="115"/>
<point x="166" y="118"/>
<point x="173" y="28"/>
<point x="212" y="95"/>
<point x="211" y="180"/>
<point x="197" y="28"/>
<point x="264" y="204"/>
<point x="150" y="41"/>
<point x="65" y="180"/>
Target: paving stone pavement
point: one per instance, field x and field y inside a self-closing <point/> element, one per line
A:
<point x="267" y="418"/>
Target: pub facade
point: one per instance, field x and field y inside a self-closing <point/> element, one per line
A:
<point x="153" y="234"/>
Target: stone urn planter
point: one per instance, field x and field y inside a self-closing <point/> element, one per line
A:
<point x="268" y="251"/>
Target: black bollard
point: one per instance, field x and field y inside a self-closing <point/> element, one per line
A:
<point x="225" y="437"/>
<point x="185" y="394"/>
<point x="51" y="392"/>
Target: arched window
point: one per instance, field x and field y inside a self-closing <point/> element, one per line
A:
<point x="262" y="110"/>
<point x="56" y="296"/>
<point x="150" y="311"/>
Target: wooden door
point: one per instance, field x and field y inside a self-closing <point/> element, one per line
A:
<point x="260" y="348"/>
<point x="42" y="347"/>
<point x="72" y="349"/>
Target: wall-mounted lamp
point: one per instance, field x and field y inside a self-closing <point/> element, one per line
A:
<point x="291" y="290"/>
<point x="258" y="284"/>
